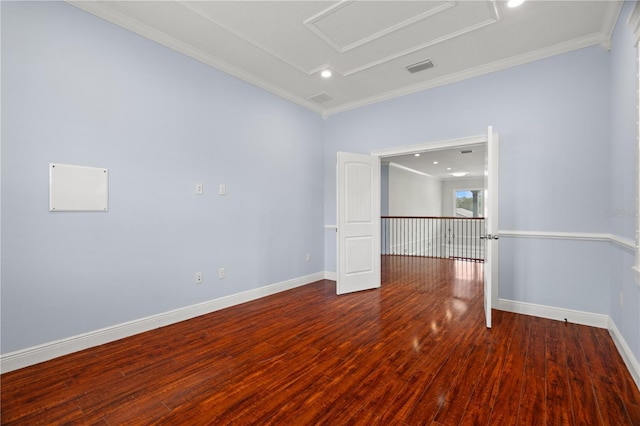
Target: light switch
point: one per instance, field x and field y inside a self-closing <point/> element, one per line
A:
<point x="222" y="190"/>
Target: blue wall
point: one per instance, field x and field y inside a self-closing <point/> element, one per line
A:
<point x="79" y="90"/>
<point x="622" y="212"/>
<point x="553" y="120"/>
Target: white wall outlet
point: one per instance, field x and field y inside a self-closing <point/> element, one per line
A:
<point x="198" y="277"/>
<point x="198" y="188"/>
<point x="222" y="273"/>
<point x="222" y="189"/>
<point x="308" y="257"/>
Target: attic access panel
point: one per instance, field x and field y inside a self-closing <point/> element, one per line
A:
<point x="78" y="188"/>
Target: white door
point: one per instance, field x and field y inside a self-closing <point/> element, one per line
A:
<point x="491" y="222"/>
<point x="358" y="188"/>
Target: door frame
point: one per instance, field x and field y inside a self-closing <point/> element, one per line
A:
<point x="437" y="146"/>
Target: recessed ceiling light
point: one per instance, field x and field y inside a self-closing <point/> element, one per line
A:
<point x="448" y="168"/>
<point x="416" y="155"/>
<point x="459" y="174"/>
<point x="326" y="73"/>
<point x="435" y="162"/>
<point x="514" y="3"/>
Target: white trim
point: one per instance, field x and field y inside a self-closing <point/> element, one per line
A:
<point x="634" y="21"/>
<point x="44" y="352"/>
<point x="431" y="146"/>
<point x="422" y="46"/>
<point x="331" y="227"/>
<point x="627" y="355"/>
<point x="580" y="236"/>
<point x="590" y="236"/>
<point x="609" y="22"/>
<point x="179" y="46"/>
<point x="622" y="241"/>
<point x="192" y="7"/>
<point x="551" y="312"/>
<point x="328" y="275"/>
<point x="311" y="25"/>
<point x="636" y="273"/>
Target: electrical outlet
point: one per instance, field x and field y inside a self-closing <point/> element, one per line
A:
<point x="198" y="188"/>
<point x="308" y="257"/>
<point x="222" y="274"/>
<point x="198" y="277"/>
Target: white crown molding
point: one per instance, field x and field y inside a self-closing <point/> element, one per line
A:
<point x="123" y="21"/>
<point x="556" y="49"/>
<point x="40" y="353"/>
<point x="634" y="21"/>
<point x="625" y="351"/>
<point x="554" y="313"/>
<point x="410" y="170"/>
<point x="170" y="42"/>
<point x="609" y="22"/>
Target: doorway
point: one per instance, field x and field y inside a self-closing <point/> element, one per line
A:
<point x="359" y="211"/>
<point x="487" y="197"/>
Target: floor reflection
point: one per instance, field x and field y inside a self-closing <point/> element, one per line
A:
<point x="429" y="296"/>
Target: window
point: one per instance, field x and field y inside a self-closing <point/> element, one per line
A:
<point x="469" y="203"/>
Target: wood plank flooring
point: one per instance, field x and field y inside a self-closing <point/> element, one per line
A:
<point x="414" y="352"/>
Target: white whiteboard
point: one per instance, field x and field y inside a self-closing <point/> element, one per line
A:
<point x="78" y="188"/>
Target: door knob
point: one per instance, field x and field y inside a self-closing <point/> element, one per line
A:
<point x="489" y="237"/>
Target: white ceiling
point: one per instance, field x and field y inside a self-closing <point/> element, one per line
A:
<point x="448" y="161"/>
<point x="282" y="46"/>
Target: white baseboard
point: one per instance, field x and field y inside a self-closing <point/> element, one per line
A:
<point x="333" y="276"/>
<point x="47" y="351"/>
<point x="550" y="312"/>
<point x="625" y="352"/>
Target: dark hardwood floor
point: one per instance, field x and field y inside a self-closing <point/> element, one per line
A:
<point x="411" y="353"/>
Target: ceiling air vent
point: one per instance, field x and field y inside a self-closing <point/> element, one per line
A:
<point x="419" y="66"/>
<point x="321" y="98"/>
